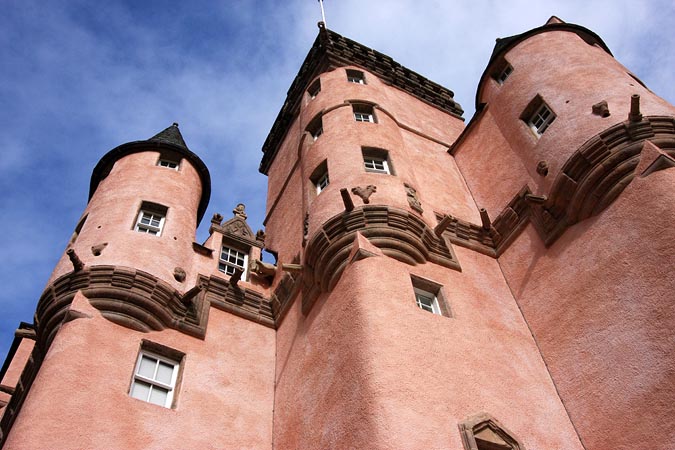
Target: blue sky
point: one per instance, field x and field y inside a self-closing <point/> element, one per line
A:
<point x="78" y="78"/>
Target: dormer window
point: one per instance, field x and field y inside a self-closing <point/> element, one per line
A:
<point x="356" y="76"/>
<point x="363" y="113"/>
<point x="231" y="260"/>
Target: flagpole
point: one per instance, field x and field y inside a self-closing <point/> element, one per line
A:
<point x="323" y="15"/>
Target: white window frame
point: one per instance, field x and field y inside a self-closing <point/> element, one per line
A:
<point x="542" y="118"/>
<point x="322" y="182"/>
<point x="149" y="227"/>
<point x="376" y="164"/>
<point x="431" y="306"/>
<point x="173" y="165"/>
<point x="225" y="264"/>
<point x="154" y="383"/>
<point x="363" y="117"/>
<point x="504" y="74"/>
<point x="356" y="76"/>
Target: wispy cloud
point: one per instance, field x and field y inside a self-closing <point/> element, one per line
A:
<point x="79" y="78"/>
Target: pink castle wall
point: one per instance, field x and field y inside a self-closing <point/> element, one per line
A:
<point x="225" y="398"/>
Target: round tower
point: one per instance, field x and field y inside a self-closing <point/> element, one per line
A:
<point x="145" y="201"/>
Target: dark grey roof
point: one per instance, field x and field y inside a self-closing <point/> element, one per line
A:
<point x="170" y="135"/>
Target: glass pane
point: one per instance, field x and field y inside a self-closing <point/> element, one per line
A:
<point x="140" y="390"/>
<point x="158" y="396"/>
<point x="164" y="372"/>
<point x="147" y="367"/>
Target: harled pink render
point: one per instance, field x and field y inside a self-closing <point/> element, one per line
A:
<point x="546" y="256"/>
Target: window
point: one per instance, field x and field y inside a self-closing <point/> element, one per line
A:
<point x="363" y="113"/>
<point x="315" y="127"/>
<point x="504" y="74"/>
<point x="231" y="259"/>
<point x="151" y="218"/>
<point x="168" y="164"/>
<point x="538" y="116"/>
<point x="376" y="160"/>
<point x="154" y="379"/>
<point x="427" y="301"/>
<point x="429" y="296"/>
<point x="320" y="178"/>
<point x="314" y="88"/>
<point x="356" y="76"/>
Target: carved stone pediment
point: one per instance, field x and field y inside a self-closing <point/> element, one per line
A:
<point x="237" y="226"/>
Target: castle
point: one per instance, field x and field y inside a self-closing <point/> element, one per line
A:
<point x="497" y="285"/>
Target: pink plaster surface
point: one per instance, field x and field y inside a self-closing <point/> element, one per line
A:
<point x="600" y="304"/>
<point x="80" y="396"/>
<point x="571" y="76"/>
<point x="114" y="208"/>
<point x="370" y="361"/>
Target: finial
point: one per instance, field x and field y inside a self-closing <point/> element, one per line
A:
<point x="175" y="124"/>
<point x="240" y="211"/>
<point x="323" y="15"/>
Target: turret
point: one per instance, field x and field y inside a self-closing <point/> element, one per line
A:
<point x="145" y="202"/>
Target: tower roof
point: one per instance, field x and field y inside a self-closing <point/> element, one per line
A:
<point x="331" y="50"/>
<point x="170" y="135"/>
<point x="503" y="45"/>
<point x="168" y="139"/>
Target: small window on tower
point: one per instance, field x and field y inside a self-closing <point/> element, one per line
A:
<point x="315" y="127"/>
<point x="376" y="160"/>
<point x="504" y="74"/>
<point x="538" y="116"/>
<point x="363" y="113"/>
<point x="151" y="218"/>
<point x="168" y="164"/>
<point x="231" y="260"/>
<point x="356" y="76"/>
<point x="320" y="178"/>
<point x="314" y="88"/>
<point x="156" y="374"/>
<point x="429" y="296"/>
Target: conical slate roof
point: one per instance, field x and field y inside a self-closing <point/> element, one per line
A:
<point x="170" y="135"/>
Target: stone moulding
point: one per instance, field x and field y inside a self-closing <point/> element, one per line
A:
<point x="591" y="179"/>
<point x="398" y="233"/>
<point x="141" y="301"/>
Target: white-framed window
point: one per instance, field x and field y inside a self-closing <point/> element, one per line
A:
<point x="168" y="164"/>
<point x="314" y="89"/>
<point x="427" y="301"/>
<point x="504" y="74"/>
<point x="355" y="76"/>
<point x="363" y="113"/>
<point x="376" y="160"/>
<point x="154" y="379"/>
<point x="541" y="119"/>
<point x="322" y="182"/>
<point x="232" y="259"/>
<point x="150" y="221"/>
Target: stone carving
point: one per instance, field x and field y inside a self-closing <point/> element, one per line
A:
<point x="260" y="236"/>
<point x="635" y="115"/>
<point x="237" y="227"/>
<point x="217" y="219"/>
<point x="542" y="168"/>
<point x="96" y="250"/>
<point x="240" y="211"/>
<point x="347" y="200"/>
<point x="263" y="269"/>
<point x="601" y="109"/>
<point x="77" y="262"/>
<point x="364" y="193"/>
<point x="414" y="202"/>
<point x="179" y="274"/>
